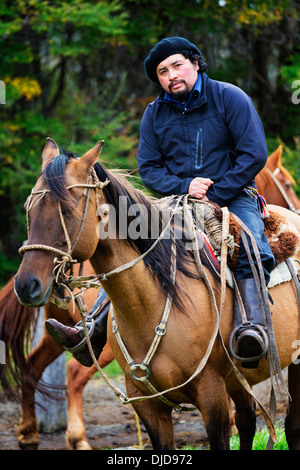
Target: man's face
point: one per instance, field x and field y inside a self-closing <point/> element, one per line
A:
<point x="177" y="75"/>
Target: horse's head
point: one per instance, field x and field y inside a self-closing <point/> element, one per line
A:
<point x="61" y="215"/>
<point x="275" y="183"/>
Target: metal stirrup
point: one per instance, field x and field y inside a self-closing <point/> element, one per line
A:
<point x="235" y="332"/>
<point x="79" y="347"/>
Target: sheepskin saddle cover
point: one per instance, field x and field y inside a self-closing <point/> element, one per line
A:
<point x="282" y="235"/>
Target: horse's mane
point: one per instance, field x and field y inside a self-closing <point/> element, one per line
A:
<point x="158" y="261"/>
<point x="54" y="175"/>
<point x="17" y="325"/>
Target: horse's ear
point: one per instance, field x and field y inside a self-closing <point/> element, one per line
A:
<point x="51" y="150"/>
<point x="88" y="160"/>
<point x="274" y="159"/>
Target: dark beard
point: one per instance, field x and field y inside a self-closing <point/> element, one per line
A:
<point x="181" y="96"/>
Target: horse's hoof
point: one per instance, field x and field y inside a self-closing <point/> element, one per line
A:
<point x="28" y="446"/>
<point x="78" y="444"/>
<point x="84" y="445"/>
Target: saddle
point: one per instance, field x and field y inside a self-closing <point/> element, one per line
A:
<point x="282" y="235"/>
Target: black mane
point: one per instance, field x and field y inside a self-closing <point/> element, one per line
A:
<point x="158" y="261"/>
<point x="54" y="175"/>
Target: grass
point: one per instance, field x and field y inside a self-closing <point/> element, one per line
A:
<point x="261" y="439"/>
<point x="112" y="370"/>
<point x="259" y="442"/>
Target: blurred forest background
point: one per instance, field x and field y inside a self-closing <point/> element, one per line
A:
<point x="73" y="70"/>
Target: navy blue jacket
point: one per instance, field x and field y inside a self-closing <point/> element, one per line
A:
<point x="219" y="137"/>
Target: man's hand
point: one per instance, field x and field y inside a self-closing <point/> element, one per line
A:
<point x="199" y="186"/>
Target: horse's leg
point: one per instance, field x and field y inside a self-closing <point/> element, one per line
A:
<point x="78" y="377"/>
<point x="156" y="417"/>
<point x="212" y="401"/>
<point x="292" y="421"/>
<point x="245" y="417"/>
<point x="233" y="428"/>
<point x="45" y="353"/>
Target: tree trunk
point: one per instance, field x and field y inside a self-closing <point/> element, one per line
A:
<point x="52" y="415"/>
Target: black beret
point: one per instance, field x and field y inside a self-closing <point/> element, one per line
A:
<point x="164" y="49"/>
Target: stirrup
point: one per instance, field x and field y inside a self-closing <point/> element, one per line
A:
<point x="80" y="346"/>
<point x="237" y="331"/>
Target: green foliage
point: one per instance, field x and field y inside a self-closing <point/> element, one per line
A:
<point x="73" y="70"/>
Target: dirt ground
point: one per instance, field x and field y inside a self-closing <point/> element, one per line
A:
<point x="111" y="425"/>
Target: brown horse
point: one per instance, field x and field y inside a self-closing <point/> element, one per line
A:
<point x="59" y="197"/>
<point x="78" y="375"/>
<point x="26" y="371"/>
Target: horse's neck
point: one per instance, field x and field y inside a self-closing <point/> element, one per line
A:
<point x="132" y="290"/>
<point x="268" y="189"/>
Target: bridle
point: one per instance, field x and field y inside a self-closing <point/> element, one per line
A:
<point x="289" y="203"/>
<point x="67" y="261"/>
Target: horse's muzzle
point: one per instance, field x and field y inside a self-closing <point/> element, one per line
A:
<point x="30" y="291"/>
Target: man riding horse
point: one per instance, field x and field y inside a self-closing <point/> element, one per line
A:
<point x="204" y="138"/>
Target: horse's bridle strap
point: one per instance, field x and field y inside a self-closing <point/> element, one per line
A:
<point x="60" y="268"/>
<point x="282" y="190"/>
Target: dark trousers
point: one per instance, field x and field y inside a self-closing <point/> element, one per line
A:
<point x="246" y="209"/>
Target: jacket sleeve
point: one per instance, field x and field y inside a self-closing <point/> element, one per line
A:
<point x="151" y="162"/>
<point x="250" y="146"/>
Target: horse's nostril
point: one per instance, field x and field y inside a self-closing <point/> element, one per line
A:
<point x="35" y="287"/>
<point x="28" y="290"/>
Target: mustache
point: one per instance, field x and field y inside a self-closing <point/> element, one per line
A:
<point x="175" y="82"/>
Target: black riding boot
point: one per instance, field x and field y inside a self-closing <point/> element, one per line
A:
<point x="249" y="341"/>
<point x="73" y="338"/>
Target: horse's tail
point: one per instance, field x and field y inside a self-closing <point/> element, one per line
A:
<point x="17" y="326"/>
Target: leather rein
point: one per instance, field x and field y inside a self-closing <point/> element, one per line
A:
<point x="273" y="175"/>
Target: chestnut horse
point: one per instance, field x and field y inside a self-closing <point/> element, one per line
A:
<point x="275" y="183"/>
<point x="17" y="331"/>
<point x="138" y="295"/>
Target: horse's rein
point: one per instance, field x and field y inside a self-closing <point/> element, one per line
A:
<point x="273" y="175"/>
